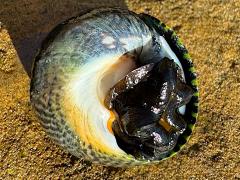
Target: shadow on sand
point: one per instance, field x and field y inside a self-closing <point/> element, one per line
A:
<point x="28" y="22"/>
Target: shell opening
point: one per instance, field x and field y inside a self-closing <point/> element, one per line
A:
<point x="146" y="102"/>
<point x="147" y="96"/>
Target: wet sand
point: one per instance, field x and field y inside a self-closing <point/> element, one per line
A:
<point x="211" y="32"/>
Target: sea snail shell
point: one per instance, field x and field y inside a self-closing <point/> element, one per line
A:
<point x="87" y="59"/>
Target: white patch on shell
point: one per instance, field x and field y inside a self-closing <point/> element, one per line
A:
<point x="130" y="42"/>
<point x="108" y="41"/>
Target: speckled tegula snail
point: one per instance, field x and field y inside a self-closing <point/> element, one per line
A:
<point x="115" y="87"/>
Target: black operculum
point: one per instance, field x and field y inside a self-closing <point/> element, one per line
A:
<point x="147" y="102"/>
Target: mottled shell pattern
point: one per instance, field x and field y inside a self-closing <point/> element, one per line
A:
<point x="81" y="60"/>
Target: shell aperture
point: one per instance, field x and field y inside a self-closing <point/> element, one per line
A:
<point x="80" y="64"/>
<point x="144" y="97"/>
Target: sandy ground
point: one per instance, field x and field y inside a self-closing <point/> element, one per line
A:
<point x="209" y="29"/>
